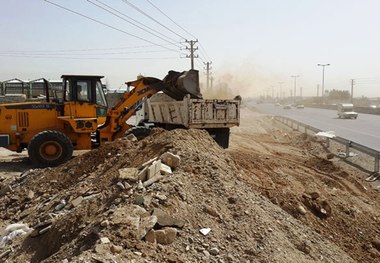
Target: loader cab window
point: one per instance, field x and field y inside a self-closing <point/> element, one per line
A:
<point x="100" y="98"/>
<point x="83" y="90"/>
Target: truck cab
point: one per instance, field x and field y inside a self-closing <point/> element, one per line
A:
<point x="346" y="111"/>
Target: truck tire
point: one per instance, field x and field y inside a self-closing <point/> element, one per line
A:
<point x="139" y="131"/>
<point x="222" y="137"/>
<point x="50" y="148"/>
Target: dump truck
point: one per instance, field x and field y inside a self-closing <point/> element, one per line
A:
<point x="80" y="119"/>
<point x="214" y="116"/>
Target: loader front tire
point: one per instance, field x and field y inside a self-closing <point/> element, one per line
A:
<point x="50" y="148"/>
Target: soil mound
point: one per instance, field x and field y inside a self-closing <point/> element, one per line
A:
<point x="205" y="211"/>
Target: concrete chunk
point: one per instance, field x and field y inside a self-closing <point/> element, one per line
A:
<point x="154" y="169"/>
<point x="171" y="159"/>
<point x="77" y="201"/>
<point x="165" y="169"/>
<point x="129" y="174"/>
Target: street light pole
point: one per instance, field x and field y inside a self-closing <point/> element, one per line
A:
<point x="323" y="80"/>
<point x="295" y="86"/>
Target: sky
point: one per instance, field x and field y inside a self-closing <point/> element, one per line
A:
<point x="255" y="46"/>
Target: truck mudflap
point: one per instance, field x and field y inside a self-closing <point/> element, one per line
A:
<point x="181" y="83"/>
<point x="4" y="140"/>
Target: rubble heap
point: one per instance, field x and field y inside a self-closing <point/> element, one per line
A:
<point x="175" y="196"/>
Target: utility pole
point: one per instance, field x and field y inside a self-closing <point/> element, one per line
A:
<point x="323" y="80"/>
<point x="208" y="68"/>
<point x="352" y="90"/>
<point x="192" y="49"/>
<point x="295" y="86"/>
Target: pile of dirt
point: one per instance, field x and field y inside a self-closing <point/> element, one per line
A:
<point x="83" y="211"/>
<point x="274" y="196"/>
<point x="298" y="173"/>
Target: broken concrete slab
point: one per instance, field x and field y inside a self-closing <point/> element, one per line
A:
<point x="129" y="174"/>
<point x="165" y="169"/>
<point x="171" y="159"/>
<point x="154" y="169"/>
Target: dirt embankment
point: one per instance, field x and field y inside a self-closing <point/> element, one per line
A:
<point x="272" y="197"/>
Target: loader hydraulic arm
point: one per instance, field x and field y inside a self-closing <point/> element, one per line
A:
<point x="115" y="125"/>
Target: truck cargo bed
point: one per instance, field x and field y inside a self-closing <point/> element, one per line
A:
<point x="194" y="113"/>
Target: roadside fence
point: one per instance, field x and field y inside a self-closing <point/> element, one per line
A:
<point x="347" y="145"/>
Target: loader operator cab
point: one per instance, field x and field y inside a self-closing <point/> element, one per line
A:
<point x="85" y="90"/>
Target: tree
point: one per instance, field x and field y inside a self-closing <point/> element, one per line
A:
<point x="338" y="94"/>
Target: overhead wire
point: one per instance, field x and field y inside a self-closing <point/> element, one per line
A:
<point x="88" y="58"/>
<point x="107" y="25"/>
<point x="81" y="50"/>
<point x="201" y="49"/>
<point x="83" y="54"/>
<point x="151" y="18"/>
<point x="141" y="26"/>
<point x="170" y="19"/>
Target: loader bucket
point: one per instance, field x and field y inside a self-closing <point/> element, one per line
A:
<point x="180" y="84"/>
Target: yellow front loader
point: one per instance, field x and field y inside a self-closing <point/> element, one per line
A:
<point x="52" y="129"/>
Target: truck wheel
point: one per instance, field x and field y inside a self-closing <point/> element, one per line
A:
<point x="50" y="148"/>
<point x="222" y="137"/>
<point x="139" y="131"/>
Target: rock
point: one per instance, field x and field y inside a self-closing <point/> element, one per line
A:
<point x="150" y="236"/>
<point x="139" y="200"/>
<point x="314" y="195"/>
<point x="146" y="225"/>
<point x="105" y="240"/>
<point x="301" y="210"/>
<point x="205" y="231"/>
<point x="105" y="223"/>
<point x="121" y="185"/>
<point x="211" y="211"/>
<point x="376" y="244"/>
<point x="171" y="160"/>
<point x="77" y="201"/>
<point x="166" y="236"/>
<point x="214" y="251"/>
<point x="30" y="195"/>
<point x="161" y="197"/>
<point x="163" y="219"/>
<point x="101" y="249"/>
<point x="330" y="156"/>
<point x="165" y="169"/>
<point x="116" y="249"/>
<point x="140" y="185"/>
<point x="129" y="174"/>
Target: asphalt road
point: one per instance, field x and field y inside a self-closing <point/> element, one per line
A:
<point x="364" y="130"/>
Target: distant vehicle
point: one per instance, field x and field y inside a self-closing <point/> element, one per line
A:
<point x="300" y="106"/>
<point x="287" y="107"/>
<point x="373" y="106"/>
<point x="346" y="111"/>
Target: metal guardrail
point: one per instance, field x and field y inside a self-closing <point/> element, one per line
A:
<point x="347" y="143"/>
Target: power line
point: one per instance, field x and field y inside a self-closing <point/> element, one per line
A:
<point x="80" y="50"/>
<point x="138" y="26"/>
<point x="86" y="58"/>
<point x="171" y="19"/>
<point x="109" y="26"/>
<point x="205" y="53"/>
<point x="83" y="54"/>
<point x="150" y="17"/>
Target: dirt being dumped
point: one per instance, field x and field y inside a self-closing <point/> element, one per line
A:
<point x="271" y="197"/>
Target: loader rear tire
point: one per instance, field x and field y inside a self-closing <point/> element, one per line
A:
<point x="50" y="148"/>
